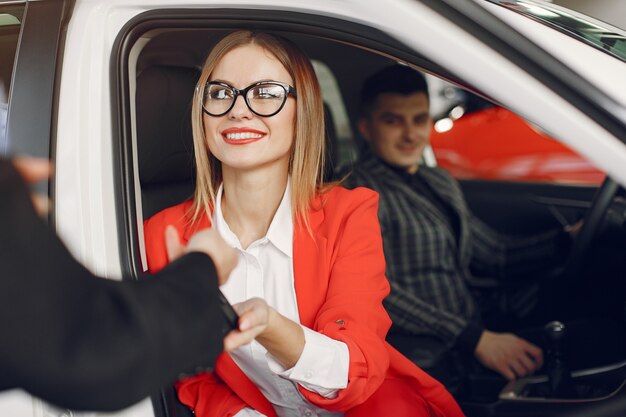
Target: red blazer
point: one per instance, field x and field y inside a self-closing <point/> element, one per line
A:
<point x="340" y="283"/>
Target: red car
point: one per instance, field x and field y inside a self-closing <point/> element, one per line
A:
<point x="471" y="147"/>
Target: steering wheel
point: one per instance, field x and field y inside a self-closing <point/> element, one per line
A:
<point x="590" y="228"/>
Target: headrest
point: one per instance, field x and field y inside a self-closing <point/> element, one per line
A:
<point x="164" y="138"/>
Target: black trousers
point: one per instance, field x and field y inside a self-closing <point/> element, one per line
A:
<point x="593" y="315"/>
<point x="588" y="343"/>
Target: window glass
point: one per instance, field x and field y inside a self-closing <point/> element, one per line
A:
<point x="475" y="139"/>
<point x="599" y="34"/>
<point x="10" y="22"/>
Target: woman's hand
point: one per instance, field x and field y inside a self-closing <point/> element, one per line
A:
<point x="206" y="241"/>
<point x="254" y="316"/>
<point x="282" y="337"/>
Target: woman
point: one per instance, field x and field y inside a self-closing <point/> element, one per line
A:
<point x="310" y="281"/>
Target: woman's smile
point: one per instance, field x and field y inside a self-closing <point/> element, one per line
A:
<point x="242" y="135"/>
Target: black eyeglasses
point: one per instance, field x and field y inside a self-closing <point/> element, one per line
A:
<point x="263" y="98"/>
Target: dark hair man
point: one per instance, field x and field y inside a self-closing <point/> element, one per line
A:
<point x="438" y="254"/>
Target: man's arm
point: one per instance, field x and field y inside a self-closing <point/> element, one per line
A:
<point x="418" y="317"/>
<point x="505" y="353"/>
<point x="89" y="343"/>
<point x="500" y="256"/>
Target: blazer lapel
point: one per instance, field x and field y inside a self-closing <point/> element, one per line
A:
<point x="192" y="228"/>
<point x="309" y="265"/>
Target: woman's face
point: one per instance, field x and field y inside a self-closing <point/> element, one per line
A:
<point x="240" y="139"/>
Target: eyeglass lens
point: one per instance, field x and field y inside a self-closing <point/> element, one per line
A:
<point x="262" y="99"/>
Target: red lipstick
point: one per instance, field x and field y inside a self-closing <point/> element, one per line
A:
<point x="242" y="135"/>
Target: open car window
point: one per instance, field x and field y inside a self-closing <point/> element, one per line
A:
<point x="157" y="76"/>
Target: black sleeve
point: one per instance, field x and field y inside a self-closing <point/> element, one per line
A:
<point x="85" y="342"/>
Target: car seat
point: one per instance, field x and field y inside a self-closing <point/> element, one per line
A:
<point x="164" y="138"/>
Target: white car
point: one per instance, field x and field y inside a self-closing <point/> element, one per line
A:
<point x="103" y="89"/>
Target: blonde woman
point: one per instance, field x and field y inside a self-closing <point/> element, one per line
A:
<point x="310" y="281"/>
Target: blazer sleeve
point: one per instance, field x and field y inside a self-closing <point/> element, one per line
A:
<point x="85" y="342"/>
<point x="207" y="396"/>
<point x="353" y="311"/>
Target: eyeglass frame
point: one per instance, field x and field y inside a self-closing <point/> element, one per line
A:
<point x="289" y="90"/>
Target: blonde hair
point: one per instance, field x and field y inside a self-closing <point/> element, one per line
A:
<point x="307" y="154"/>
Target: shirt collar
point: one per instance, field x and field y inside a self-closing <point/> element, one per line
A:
<point x="372" y="159"/>
<point x="400" y="172"/>
<point x="280" y="232"/>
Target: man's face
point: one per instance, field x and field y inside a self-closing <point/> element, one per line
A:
<point x="398" y="129"/>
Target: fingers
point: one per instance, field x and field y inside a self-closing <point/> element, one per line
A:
<point x="520" y="367"/>
<point x="253" y="319"/>
<point x="574" y="229"/>
<point x="509" y="355"/>
<point x="207" y="241"/>
<point x="535" y="353"/>
<point x="526" y="365"/>
<point x="525" y="358"/>
<point x="506" y="371"/>
<point x="174" y="248"/>
<point x="237" y="338"/>
<point x="224" y="257"/>
<point x="253" y="314"/>
<point x="41" y="204"/>
<point x="33" y="169"/>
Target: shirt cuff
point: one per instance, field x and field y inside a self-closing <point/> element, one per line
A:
<point x="322" y="367"/>
<point x="468" y="338"/>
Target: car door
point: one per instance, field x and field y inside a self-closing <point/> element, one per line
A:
<point x="515" y="177"/>
<point x="102" y="182"/>
<point x="29" y="39"/>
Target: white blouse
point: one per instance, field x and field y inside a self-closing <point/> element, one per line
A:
<point x="265" y="270"/>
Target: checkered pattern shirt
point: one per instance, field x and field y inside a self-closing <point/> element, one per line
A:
<point x="434" y="271"/>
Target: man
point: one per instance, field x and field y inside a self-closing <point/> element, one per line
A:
<point x="84" y="342"/>
<point x="441" y="260"/>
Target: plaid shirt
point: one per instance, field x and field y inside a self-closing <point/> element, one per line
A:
<point x="433" y="271"/>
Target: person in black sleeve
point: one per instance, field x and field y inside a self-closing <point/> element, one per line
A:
<point x="85" y="342"/>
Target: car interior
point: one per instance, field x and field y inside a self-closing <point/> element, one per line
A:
<point x="158" y="74"/>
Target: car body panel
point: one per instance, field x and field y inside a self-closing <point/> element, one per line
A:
<point x="606" y="74"/>
<point x="497" y="144"/>
<point x="87" y="155"/>
<point x="87" y="178"/>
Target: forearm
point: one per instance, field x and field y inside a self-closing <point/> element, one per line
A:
<point x="415" y="316"/>
<point x="507" y="257"/>
<point x="283" y="339"/>
<point x="302" y="355"/>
